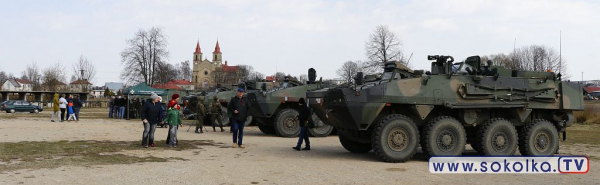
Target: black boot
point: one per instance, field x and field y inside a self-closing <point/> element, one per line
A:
<point x="214" y="130"/>
<point x="306" y="148"/>
<point x="296" y="148"/>
<point x="201" y="130"/>
<point x="222" y="130"/>
<point x="196" y="130"/>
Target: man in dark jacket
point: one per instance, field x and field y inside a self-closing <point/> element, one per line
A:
<point x="77" y="104"/>
<point x="239" y="106"/>
<point x="303" y="118"/>
<point x="151" y="115"/>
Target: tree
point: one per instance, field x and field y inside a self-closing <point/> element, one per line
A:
<point x="3" y="77"/>
<point x="303" y="78"/>
<point x="244" y="72"/>
<point x="84" y="70"/>
<point x="531" y="58"/>
<point x="257" y="76"/>
<point x="107" y="92"/>
<point x="279" y="76"/>
<point x="383" y="46"/>
<point x="33" y="74"/>
<point x="54" y="76"/>
<point x="185" y="72"/>
<point x="166" y="72"/>
<point x="143" y="56"/>
<point x="350" y="68"/>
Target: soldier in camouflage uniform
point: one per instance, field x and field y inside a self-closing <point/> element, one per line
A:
<point x="215" y="111"/>
<point x="200" y="112"/>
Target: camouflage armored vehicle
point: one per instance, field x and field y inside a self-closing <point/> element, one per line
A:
<point x="224" y="93"/>
<point x="275" y="110"/>
<point x="494" y="109"/>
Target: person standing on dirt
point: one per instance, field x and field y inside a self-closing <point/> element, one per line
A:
<point x="122" y="103"/>
<point x="63" y="107"/>
<point x="77" y="104"/>
<point x="111" y="106"/>
<point x="200" y="112"/>
<point x="151" y="116"/>
<point x="303" y="118"/>
<point x="216" y="113"/>
<point x="239" y="106"/>
<point x="174" y="120"/>
<point x="55" y="106"/>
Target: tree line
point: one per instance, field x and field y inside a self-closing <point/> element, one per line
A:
<point x="383" y="46"/>
<point x="51" y="77"/>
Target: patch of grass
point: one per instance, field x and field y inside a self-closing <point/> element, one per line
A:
<point x="37" y="155"/>
<point x="583" y="134"/>
<point x="590" y="115"/>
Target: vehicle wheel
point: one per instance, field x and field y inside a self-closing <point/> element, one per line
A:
<point x="35" y="111"/>
<point x="266" y="129"/>
<point x="248" y="121"/>
<point x="353" y="146"/>
<point x="12" y="110"/>
<point x="538" y="138"/>
<point x="284" y="124"/>
<point x="224" y="117"/>
<point x="395" y="139"/>
<point x="444" y="136"/>
<point x="497" y="137"/>
<point x="321" y="130"/>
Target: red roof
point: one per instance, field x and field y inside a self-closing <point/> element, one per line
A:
<point x="23" y="81"/>
<point x="180" y="82"/>
<point x="165" y="86"/>
<point x="197" y="48"/>
<point x="269" y="78"/>
<point x="217" y="48"/>
<point x="227" y="68"/>
<point x="80" y="82"/>
<point x="592" y="89"/>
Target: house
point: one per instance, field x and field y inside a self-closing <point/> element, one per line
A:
<point x="15" y="84"/>
<point x="166" y="86"/>
<point x="97" y="92"/>
<point x="114" y="87"/>
<point x="80" y="86"/>
<point x="269" y="79"/>
<point x="54" y="85"/>
<point x="182" y="84"/>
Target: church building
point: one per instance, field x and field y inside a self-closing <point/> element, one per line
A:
<point x="206" y="74"/>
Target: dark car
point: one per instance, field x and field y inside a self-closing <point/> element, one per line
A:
<point x="13" y="106"/>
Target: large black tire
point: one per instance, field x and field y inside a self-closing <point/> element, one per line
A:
<point x="538" y="138"/>
<point x="284" y="123"/>
<point x="353" y="146"/>
<point x="224" y="117"/>
<point x="497" y="137"/>
<point x="321" y="130"/>
<point x="248" y="121"/>
<point x="444" y="136"/>
<point x="395" y="139"/>
<point x="266" y="129"/>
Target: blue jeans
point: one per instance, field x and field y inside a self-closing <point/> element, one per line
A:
<point x="121" y="112"/>
<point x="303" y="136"/>
<point x="172" y="135"/>
<point x="115" y="111"/>
<point x="110" y="111"/>
<point x="76" y="112"/>
<point x="238" y="131"/>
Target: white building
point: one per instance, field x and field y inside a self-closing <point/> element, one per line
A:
<point x="15" y="84"/>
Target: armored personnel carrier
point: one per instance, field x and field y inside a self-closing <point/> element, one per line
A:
<point x="494" y="109"/>
<point x="275" y="110"/>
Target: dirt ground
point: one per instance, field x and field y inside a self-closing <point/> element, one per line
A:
<point x="265" y="160"/>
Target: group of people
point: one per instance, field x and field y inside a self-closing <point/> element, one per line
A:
<point x="70" y="105"/>
<point x="117" y="107"/>
<point x="153" y="114"/>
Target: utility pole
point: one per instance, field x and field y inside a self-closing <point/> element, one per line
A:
<point x="560" y="53"/>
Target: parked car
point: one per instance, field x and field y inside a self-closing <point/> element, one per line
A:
<point x="13" y="106"/>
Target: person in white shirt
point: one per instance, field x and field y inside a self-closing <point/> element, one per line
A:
<point x="63" y="107"/>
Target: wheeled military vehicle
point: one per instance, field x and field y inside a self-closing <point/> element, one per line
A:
<point x="494" y="109"/>
<point x="275" y="110"/>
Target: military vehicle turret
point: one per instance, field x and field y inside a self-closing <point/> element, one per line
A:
<point x="275" y="109"/>
<point x="494" y="109"/>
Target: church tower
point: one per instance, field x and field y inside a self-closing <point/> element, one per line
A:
<point x="196" y="64"/>
<point x="217" y="55"/>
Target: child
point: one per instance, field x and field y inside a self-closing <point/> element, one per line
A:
<point x="71" y="113"/>
<point x="173" y="120"/>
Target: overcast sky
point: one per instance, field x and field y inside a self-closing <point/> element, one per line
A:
<point x="292" y="36"/>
